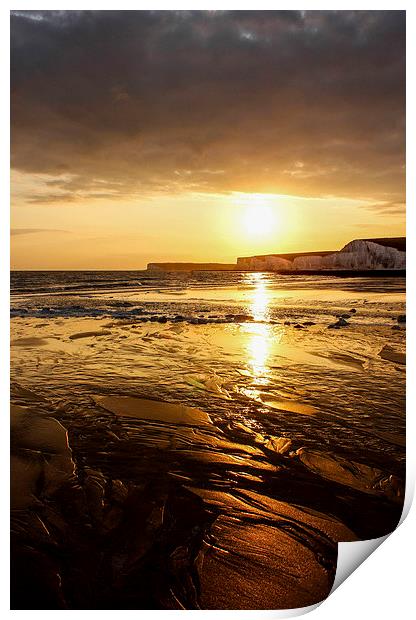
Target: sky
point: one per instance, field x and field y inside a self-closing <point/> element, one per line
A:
<point x="144" y="136"/>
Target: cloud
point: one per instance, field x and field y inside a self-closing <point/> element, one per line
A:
<point x="29" y="231"/>
<point x="146" y="102"/>
<point x="388" y="208"/>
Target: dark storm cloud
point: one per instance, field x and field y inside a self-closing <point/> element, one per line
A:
<point x="120" y="103"/>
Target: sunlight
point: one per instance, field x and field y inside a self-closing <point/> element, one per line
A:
<point x="258" y="347"/>
<point x="261" y="297"/>
<point x="259" y="220"/>
<point x="258" y="214"/>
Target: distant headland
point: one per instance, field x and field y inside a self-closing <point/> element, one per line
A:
<point x="383" y="255"/>
<point x="191" y="267"/>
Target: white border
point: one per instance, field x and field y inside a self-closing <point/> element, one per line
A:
<point x="382" y="587"/>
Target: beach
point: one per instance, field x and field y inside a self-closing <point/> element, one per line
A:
<point x="200" y="440"/>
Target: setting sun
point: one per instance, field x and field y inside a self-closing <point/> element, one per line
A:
<point x="259" y="220"/>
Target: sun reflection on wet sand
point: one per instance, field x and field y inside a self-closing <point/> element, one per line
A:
<point x="261" y="297"/>
<point x="258" y="349"/>
<point x="259" y="343"/>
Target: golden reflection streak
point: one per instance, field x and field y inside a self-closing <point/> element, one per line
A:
<point x="259" y="343"/>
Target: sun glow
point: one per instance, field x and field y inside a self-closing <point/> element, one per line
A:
<point x="260" y="216"/>
<point x="259" y="220"/>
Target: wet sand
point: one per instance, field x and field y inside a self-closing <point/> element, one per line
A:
<point x="202" y="464"/>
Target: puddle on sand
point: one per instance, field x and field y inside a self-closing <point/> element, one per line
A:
<point x="152" y="410"/>
<point x="29" y="342"/>
<point x="40" y="456"/>
<point x="290" y="405"/>
<point x="103" y="332"/>
<point x="251" y="541"/>
<point x="355" y="475"/>
<point x="392" y="355"/>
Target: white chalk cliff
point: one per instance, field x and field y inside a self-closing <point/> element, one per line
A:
<point x="360" y="254"/>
